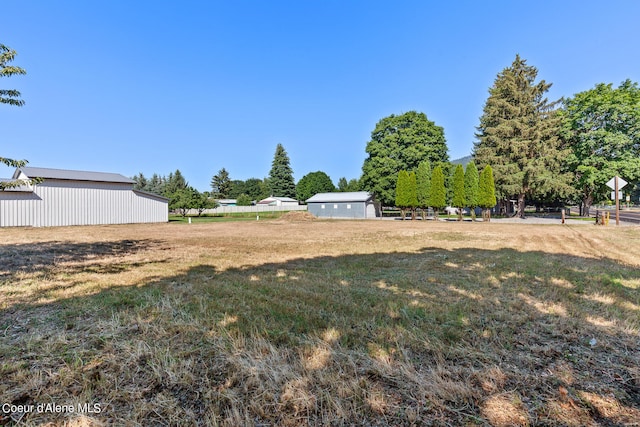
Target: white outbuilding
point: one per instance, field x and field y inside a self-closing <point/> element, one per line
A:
<point x="357" y="204"/>
<point x="278" y="201"/>
<point x="68" y="197"/>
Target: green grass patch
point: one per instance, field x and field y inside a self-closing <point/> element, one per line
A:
<point x="227" y="217"/>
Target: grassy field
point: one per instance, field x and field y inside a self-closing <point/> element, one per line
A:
<point x="294" y="323"/>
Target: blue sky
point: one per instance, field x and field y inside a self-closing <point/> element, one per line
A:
<point x="153" y="86"/>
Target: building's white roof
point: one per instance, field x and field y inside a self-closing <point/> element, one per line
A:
<point x="72" y="175"/>
<point x="353" y="196"/>
<point x="17" y="188"/>
<point x="273" y="199"/>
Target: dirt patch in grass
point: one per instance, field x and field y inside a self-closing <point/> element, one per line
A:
<point x="321" y="322"/>
<point x="298" y="216"/>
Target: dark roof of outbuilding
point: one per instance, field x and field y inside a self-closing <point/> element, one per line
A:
<point x="72" y="175"/>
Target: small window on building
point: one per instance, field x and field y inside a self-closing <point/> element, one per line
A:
<point x="321" y="206"/>
<point x="348" y="206"/>
<point x="335" y="206"/>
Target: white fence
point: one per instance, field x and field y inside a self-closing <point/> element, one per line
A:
<point x="247" y="209"/>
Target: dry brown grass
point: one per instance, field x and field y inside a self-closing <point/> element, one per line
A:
<point x="296" y="322"/>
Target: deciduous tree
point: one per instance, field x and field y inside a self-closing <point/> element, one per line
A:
<point x="184" y="199"/>
<point x="313" y="183"/>
<point x="400" y="143"/>
<point x="602" y="128"/>
<point x="243" y="200"/>
<point x="11" y="97"/>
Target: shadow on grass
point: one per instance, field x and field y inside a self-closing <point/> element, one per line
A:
<point x="30" y="257"/>
<point x="444" y="337"/>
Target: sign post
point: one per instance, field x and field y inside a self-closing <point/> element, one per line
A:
<point x="616" y="183"/>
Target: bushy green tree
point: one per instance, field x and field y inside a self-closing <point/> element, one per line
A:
<point x="183" y="199"/>
<point x="459" y="197"/>
<point x="313" y="183"/>
<point x="423" y="186"/>
<point x="347" y="186"/>
<point x="243" y="200"/>
<point x="471" y="179"/>
<point x="518" y="137"/>
<point x="438" y="195"/>
<point x="486" y="192"/>
<point x="400" y="143"/>
<point x="257" y="189"/>
<point x="602" y="128"/>
<point x="281" y="175"/>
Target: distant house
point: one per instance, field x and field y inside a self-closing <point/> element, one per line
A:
<point x="227" y="202"/>
<point x="68" y="197"/>
<point x="358" y="204"/>
<point x="278" y="201"/>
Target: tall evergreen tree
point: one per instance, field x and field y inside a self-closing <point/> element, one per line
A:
<point x="221" y="185"/>
<point x="156" y="184"/>
<point x="174" y="183"/>
<point x="412" y="188"/>
<point x="400" y="143"/>
<point x="486" y="192"/>
<point x="281" y="175"/>
<point x="402" y="192"/>
<point x="423" y="186"/>
<point x="518" y="137"/>
<point x="342" y="184"/>
<point x="351" y="185"/>
<point x="438" y="195"/>
<point x="471" y="179"/>
<point x="142" y="183"/>
<point x="459" y="197"/>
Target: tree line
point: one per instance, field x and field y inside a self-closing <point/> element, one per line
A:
<point x="540" y="151"/>
<point x="426" y="188"/>
<point x="279" y="183"/>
